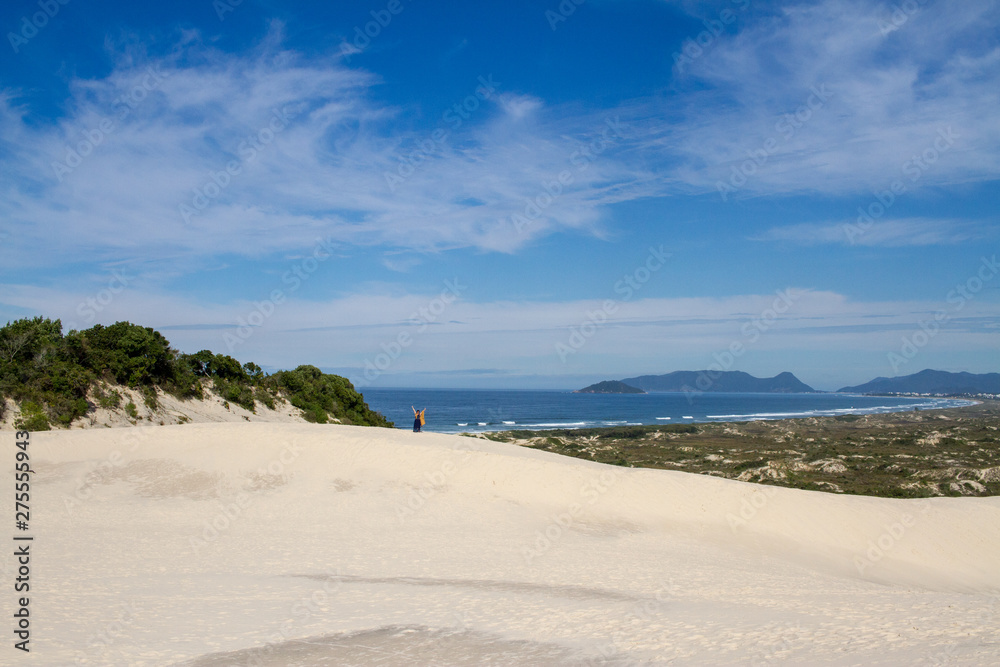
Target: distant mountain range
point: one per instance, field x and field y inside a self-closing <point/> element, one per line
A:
<point x="720" y="381"/>
<point x="610" y="387"/>
<point x="931" y="382"/>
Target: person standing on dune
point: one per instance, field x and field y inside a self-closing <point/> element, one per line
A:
<point x="418" y="418"/>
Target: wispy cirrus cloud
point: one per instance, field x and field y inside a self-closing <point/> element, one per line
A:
<point x="151" y="187"/>
<point x="886" y="96"/>
<point x="266" y="151"/>
<point x="344" y="333"/>
<point x="886" y="233"/>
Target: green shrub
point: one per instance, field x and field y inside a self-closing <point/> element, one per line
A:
<point x="321" y="396"/>
<point x="107" y="399"/>
<point x="626" y="432"/>
<point x="263" y="396"/>
<point x="133" y="355"/>
<point x="747" y="465"/>
<point x="32" y="418"/>
<point x="77" y="408"/>
<point x="149" y="398"/>
<point x="42" y="367"/>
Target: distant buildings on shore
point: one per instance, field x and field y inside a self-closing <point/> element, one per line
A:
<point x="914" y="394"/>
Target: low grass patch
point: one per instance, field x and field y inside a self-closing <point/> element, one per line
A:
<point x="885" y="455"/>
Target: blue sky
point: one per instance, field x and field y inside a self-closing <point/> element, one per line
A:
<point x="511" y="194"/>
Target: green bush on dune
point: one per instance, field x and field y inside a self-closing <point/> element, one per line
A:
<point x="320" y="395"/>
<point x="129" y="354"/>
<point x="50" y="375"/>
<point x="41" y="369"/>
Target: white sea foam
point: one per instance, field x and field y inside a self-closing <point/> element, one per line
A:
<point x="560" y="424"/>
<point x="763" y="415"/>
<point x="832" y="412"/>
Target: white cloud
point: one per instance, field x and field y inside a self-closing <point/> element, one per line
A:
<point x="520" y="338"/>
<point x="888" y="233"/>
<point x="346" y="167"/>
<point x="885" y="99"/>
<point x="519" y="106"/>
<point x="316" y="156"/>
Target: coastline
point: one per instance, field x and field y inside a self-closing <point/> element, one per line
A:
<point x="915" y="454"/>
<point x="474" y="411"/>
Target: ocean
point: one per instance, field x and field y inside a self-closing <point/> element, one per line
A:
<point x="478" y="410"/>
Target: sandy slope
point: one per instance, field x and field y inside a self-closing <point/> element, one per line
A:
<point x="169" y="410"/>
<point x="298" y="544"/>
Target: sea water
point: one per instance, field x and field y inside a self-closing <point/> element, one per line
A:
<point x="478" y="410"/>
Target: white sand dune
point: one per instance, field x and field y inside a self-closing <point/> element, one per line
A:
<point x="168" y="410"/>
<point x="297" y="544"/>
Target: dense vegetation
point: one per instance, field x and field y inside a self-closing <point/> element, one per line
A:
<point x="52" y="375"/>
<point x="953" y="452"/>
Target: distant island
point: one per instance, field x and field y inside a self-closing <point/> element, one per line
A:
<point x="931" y="382"/>
<point x="719" y="381"/>
<point x="610" y="387"/>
